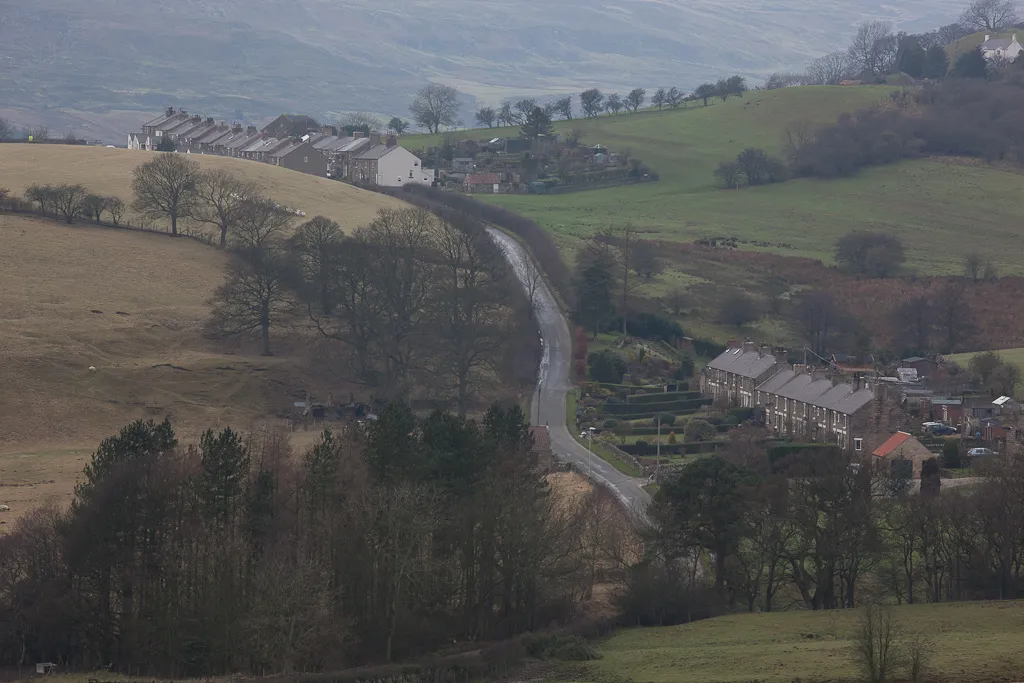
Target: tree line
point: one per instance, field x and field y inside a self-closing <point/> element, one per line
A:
<point x="232" y="555"/>
<point x="409" y="301"/>
<point x="808" y="528"/>
<point x="436" y="106"/>
<point x="958" y="117"/>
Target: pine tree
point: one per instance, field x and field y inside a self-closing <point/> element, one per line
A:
<point x="225" y="466"/>
<point x="595" y="283"/>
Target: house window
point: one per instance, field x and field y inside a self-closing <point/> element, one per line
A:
<point x="305" y="160"/>
<point x="410" y="173"/>
<point x="858" y="444"/>
<point x="415" y="163"/>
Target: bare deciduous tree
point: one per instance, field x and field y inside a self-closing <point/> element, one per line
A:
<point x="635" y="99"/>
<point x="116" y="208"/>
<point x="254" y="299"/>
<point x="315" y="247"/>
<point x="989" y="15"/>
<point x="260" y="223"/>
<point x="472" y="286"/>
<point x="829" y="69"/>
<point x="94" y="206"/>
<point x="165" y="187"/>
<point x="70" y="201"/>
<point x="221" y="198"/>
<point x="434" y="106"/>
<point x="877" y="644"/>
<point x="795" y="140"/>
<point x="6" y="129"/>
<point x="874" y="48"/>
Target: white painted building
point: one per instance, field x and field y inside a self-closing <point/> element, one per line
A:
<point x="389" y="165"/>
<point x="1001" y="48"/>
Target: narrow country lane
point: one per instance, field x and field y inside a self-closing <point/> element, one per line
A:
<point x="553" y="384"/>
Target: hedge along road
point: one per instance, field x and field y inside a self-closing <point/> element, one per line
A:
<point x="553" y="384"/>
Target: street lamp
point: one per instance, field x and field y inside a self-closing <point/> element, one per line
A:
<point x="590" y="460"/>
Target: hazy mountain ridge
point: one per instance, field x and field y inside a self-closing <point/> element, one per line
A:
<point x="64" y="59"/>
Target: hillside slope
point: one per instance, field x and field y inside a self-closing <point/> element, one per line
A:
<point x="109" y="172"/>
<point x="967" y="642"/>
<point x="929" y="205"/>
<point x="94" y="66"/>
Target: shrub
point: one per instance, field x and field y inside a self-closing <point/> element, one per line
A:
<point x="672" y="438"/>
<point x="642" y="447"/>
<point x="610" y="424"/>
<point x="951" y="455"/>
<point x="563" y="646"/>
<point x="606" y="366"/>
<point x="666" y="419"/>
<point x="873" y="254"/>
<point x="699" y="430"/>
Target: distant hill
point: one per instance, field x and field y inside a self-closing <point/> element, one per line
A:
<point x="100" y="67"/>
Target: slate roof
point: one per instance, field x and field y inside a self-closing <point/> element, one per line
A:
<point x="376" y="152"/>
<point x="243" y="140"/>
<point x="996" y="44"/>
<point x="282" y="152"/>
<point x="891" y="444"/>
<point x="750" y="364"/>
<point x="355" y="145"/>
<point x="816" y="392"/>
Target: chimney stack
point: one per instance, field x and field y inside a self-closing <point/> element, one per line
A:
<point x="251" y="130"/>
<point x="327" y="130"/>
<point x="209" y="120"/>
<point x="749" y="346"/>
<point x="781" y="356"/>
<point x="818" y="373"/>
<point x="197" y="118"/>
<point x="170" y="111"/>
<point x="374" y="139"/>
<point x="358" y="134"/>
<point x="732" y="344"/>
<point x="392" y="141"/>
<point x="183" y="113"/>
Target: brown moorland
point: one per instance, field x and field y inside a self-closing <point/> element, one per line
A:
<point x="132" y="305"/>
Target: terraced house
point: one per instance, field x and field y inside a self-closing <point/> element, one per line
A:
<point x="805" y="404"/>
<point x="735" y="374"/>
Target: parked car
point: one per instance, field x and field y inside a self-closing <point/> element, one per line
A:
<point x="981" y="451"/>
<point x="943" y="430"/>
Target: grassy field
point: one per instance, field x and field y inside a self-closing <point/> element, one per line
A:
<point x="1012" y="356"/>
<point x="927" y="203"/>
<point x="109" y="172"/>
<point x="131" y="304"/>
<point x="966" y="641"/>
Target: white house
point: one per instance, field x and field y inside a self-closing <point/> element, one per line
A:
<point x="389" y="165"/>
<point x="1001" y="48"/>
<point x="142" y="141"/>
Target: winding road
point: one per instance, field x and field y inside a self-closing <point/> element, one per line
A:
<point x="553" y="384"/>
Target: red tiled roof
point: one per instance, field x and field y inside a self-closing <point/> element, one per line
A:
<point x="894" y="442"/>
<point x="483" y="179"/>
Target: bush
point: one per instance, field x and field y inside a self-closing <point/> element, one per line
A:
<point x="672" y="438"/>
<point x="651" y="326"/>
<point x="873" y="254"/>
<point x="951" y="455"/>
<point x="737" y="309"/>
<point x="610" y="424"/>
<point x="699" y="430"/>
<point x="562" y="646"/>
<point x="606" y="366"/>
<point x="666" y="419"/>
<point x="642" y="447"/>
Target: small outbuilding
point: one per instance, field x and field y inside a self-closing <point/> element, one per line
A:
<point x="902" y="446"/>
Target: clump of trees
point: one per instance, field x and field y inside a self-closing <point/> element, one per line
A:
<point x="752" y="166"/>
<point x="757" y="517"/>
<point x="72" y="202"/>
<point x="872" y="254"/>
<point x="230" y="555"/>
